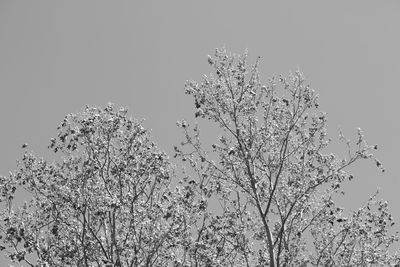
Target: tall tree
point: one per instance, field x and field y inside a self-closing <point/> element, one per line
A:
<point x="272" y="178"/>
<point x="106" y="202"/>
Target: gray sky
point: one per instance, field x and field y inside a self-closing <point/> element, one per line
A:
<point x="57" y="56"/>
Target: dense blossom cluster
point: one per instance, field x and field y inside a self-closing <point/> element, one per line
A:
<point x="109" y="200"/>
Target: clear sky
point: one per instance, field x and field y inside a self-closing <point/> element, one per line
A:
<point x="58" y="56"/>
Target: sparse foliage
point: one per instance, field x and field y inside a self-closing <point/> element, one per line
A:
<point x="106" y="203"/>
<point x="272" y="177"/>
<point x="264" y="194"/>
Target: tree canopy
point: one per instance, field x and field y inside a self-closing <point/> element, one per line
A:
<point x="106" y="202"/>
<point x="263" y="194"/>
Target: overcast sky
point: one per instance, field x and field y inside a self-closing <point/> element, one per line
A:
<point x="58" y="56"/>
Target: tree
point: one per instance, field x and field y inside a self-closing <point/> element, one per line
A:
<point x="270" y="175"/>
<point x="106" y="202"/>
<point x="264" y="194"/>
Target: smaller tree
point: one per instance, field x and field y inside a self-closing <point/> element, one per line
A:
<point x="272" y="179"/>
<point x="107" y="202"/>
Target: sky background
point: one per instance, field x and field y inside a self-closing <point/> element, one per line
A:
<point x="58" y="56"/>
